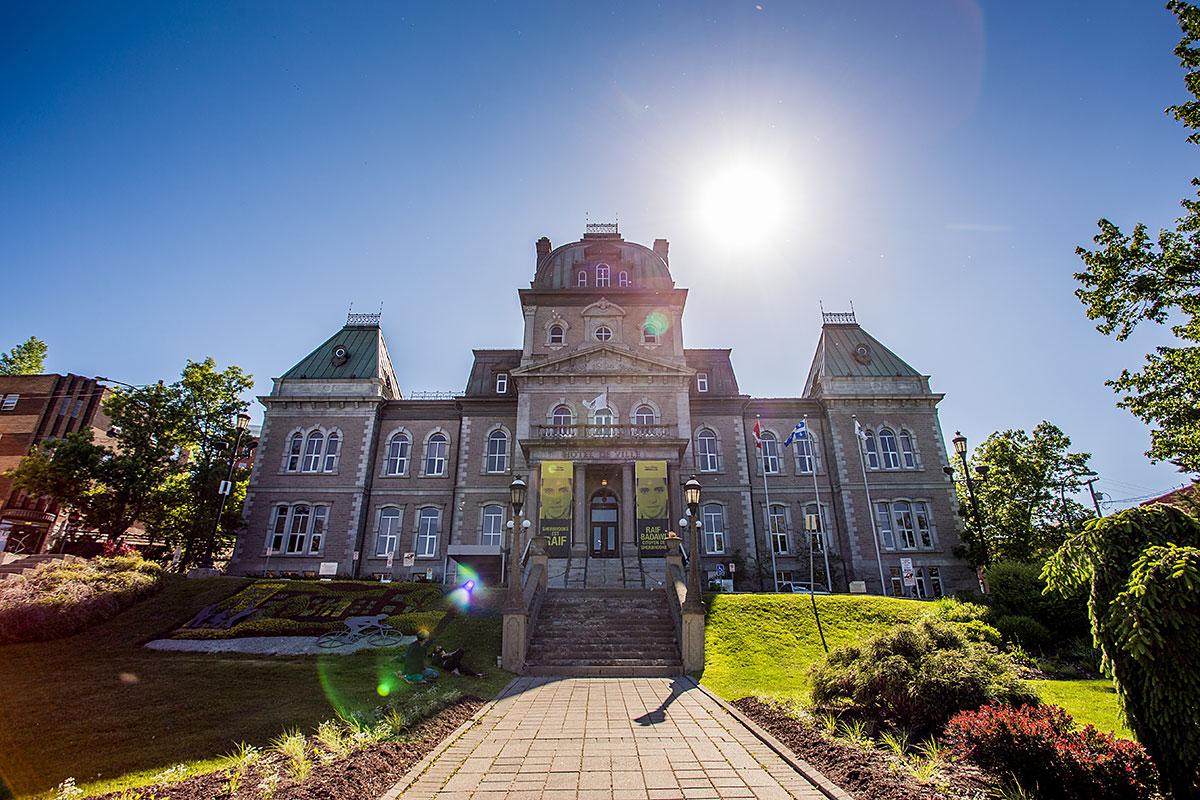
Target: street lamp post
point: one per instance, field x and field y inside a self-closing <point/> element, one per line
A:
<point x="517" y="491"/>
<point x="243" y="422"/>
<point x="691" y="496"/>
<point x="960" y="447"/>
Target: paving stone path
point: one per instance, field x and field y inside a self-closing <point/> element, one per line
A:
<point x="606" y="739"/>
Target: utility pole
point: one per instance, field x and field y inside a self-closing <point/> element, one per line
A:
<point x="1095" y="497"/>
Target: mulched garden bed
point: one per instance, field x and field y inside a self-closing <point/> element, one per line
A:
<point x="867" y="774"/>
<point x="365" y="773"/>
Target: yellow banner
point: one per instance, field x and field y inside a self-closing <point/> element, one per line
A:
<point x="653" y="507"/>
<point x="555" y="500"/>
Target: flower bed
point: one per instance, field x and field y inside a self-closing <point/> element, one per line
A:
<point x="61" y="598"/>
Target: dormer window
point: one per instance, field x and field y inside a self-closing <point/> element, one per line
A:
<point x="558" y="335"/>
<point x="623" y="279"/>
<point x="603" y="333"/>
<point x="602" y="273"/>
<point x="701" y="381"/>
<point x="501" y="382"/>
<point x="582" y="278"/>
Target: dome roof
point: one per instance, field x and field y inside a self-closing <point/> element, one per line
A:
<point x="643" y="267"/>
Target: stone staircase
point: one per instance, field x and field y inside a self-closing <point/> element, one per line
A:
<point x="19" y="565"/>
<point x="629" y="572"/>
<point x="604" y="632"/>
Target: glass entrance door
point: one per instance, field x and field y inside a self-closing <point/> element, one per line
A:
<point x="604" y="516"/>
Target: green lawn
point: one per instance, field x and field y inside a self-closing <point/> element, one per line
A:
<point x="763" y="645"/>
<point x="98" y="705"/>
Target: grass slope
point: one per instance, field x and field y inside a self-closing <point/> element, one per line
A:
<point x="762" y="645"/>
<point x="98" y="705"/>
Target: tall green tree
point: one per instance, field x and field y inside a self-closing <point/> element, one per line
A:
<point x="27" y="358"/>
<point x="1137" y="277"/>
<point x="1025" y="504"/>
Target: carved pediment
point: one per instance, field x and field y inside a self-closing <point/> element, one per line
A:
<point x="603" y="360"/>
<point x="603" y="308"/>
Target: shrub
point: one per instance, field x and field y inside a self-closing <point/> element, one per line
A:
<point x="1041" y="749"/>
<point x="60" y="598"/>
<point x="1019" y="590"/>
<point x="916" y="676"/>
<point x="1024" y="631"/>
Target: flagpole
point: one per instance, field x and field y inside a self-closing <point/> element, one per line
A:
<point x="762" y="459"/>
<point x="862" y="460"/>
<point x="812" y="454"/>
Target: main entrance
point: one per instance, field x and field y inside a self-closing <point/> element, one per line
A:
<point x="603" y="516"/>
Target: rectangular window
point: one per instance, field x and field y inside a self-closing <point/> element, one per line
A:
<point x="935" y="581"/>
<point x="924" y="527"/>
<point x="883" y="519"/>
<point x="316" y="539"/>
<point x="298" y="530"/>
<point x="822" y="528"/>
<point x="784" y="579"/>
<point x="906" y="532"/>
<point x="897" y="582"/>
<point x="714" y="530"/>
<point x="427" y="531"/>
<point x="770" y="454"/>
<point x="493" y="526"/>
<point x="388" y="533"/>
<point x="278" y="529"/>
<point x="804" y="457"/>
<point x="10" y="402"/>
<point x="701" y="381"/>
<point x="501" y="382"/>
<point x="779" y="529"/>
<point x="922" y="587"/>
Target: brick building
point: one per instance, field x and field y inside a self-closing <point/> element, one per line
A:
<point x="601" y="402"/>
<point x="34" y="408"/>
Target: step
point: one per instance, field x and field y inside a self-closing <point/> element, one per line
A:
<point x="601" y="671"/>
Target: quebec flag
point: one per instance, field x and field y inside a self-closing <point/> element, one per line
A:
<point x="798" y="432"/>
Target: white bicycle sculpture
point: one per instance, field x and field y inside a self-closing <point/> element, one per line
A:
<point x="371" y="628"/>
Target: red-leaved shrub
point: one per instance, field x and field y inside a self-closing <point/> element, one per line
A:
<point x="118" y="548"/>
<point x="1043" y="749"/>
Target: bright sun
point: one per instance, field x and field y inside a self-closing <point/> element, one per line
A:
<point x="744" y="203"/>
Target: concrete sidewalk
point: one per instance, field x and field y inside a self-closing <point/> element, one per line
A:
<point x="607" y="739"/>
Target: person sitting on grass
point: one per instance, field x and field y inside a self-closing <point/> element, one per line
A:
<point x="452" y="662"/>
<point x="414" y="669"/>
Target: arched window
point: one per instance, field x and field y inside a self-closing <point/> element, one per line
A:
<point x="603" y="333"/>
<point x="822" y="541"/>
<point x="582" y="280"/>
<point x="644" y="415"/>
<point x="435" y="454"/>
<point x="777" y="524"/>
<point x="561" y="418"/>
<point x="804" y="455"/>
<point x="648" y="335"/>
<point x="428" y="527"/>
<point x="623" y="279"/>
<point x="602" y="422"/>
<point x="906" y="533"/>
<point x="295" y="450"/>
<point x="497" y="451"/>
<point x="298" y="530"/>
<point x="557" y="335"/>
<point x="888" y="448"/>
<point x="313" y="450"/>
<point x="388" y="534"/>
<point x="602" y="275"/>
<point x="907" y="453"/>
<point x="871" y="449"/>
<point x="923" y="521"/>
<point x="714" y="529"/>
<point x="332" y="446"/>
<point x="707" y="459"/>
<point x="770" y="453"/>
<point x="397" y="454"/>
<point x="492" y="533"/>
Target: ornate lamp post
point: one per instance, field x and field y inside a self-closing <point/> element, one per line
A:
<point x="691" y="496"/>
<point x="243" y="422"/>
<point x="960" y="447"/>
<point x="517" y="492"/>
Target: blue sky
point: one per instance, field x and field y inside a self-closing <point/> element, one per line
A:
<point x="182" y="180"/>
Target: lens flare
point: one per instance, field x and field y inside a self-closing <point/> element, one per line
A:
<point x="657" y="323"/>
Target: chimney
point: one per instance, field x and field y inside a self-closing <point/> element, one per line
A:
<point x="543" y="246"/>
<point x="660" y="249"/>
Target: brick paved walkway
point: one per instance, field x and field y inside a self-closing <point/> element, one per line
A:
<point x="606" y="739"/>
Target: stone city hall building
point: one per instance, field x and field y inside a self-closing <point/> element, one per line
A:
<point x="602" y="403"/>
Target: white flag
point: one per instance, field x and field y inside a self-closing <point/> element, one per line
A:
<point x="858" y="431"/>
<point x="598" y="402"/>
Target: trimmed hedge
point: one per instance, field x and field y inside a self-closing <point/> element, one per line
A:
<point x="61" y="598"/>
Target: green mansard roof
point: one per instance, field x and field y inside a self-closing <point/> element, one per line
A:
<point x="847" y="351"/>
<point x="365" y="357"/>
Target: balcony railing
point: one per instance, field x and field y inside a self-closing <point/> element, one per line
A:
<point x="569" y="432"/>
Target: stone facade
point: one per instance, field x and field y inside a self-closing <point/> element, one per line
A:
<point x="352" y="477"/>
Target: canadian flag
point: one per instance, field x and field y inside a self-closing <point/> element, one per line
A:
<point x="757" y="435"/>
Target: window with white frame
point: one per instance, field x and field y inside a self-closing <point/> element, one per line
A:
<point x="770" y="453"/>
<point x="398" y="448"/>
<point x="333" y="444"/>
<point x="935" y="581"/>
<point x="582" y="278"/>
<point x="648" y="335"/>
<point x="777" y="524"/>
<point x="822" y="539"/>
<point x="314" y="449"/>
<point x="561" y="417"/>
<point x="883" y="521"/>
<point x="557" y="335"/>
<point x="497" y="451"/>
<point x="295" y="452"/>
<point x="906" y="531"/>
<point x="872" y="449"/>
<point x="714" y="529"/>
<point x="428" y="524"/>
<point x="603" y="333"/>
<point x="888" y="449"/>
<point x="908" y="453"/>
<point x="784" y="579"/>
<point x="298" y="529"/>
<point x="316" y="536"/>
<point x="707" y="459"/>
<point x="602" y="272"/>
<point x="602" y="422"/>
<point x="701" y="381"/>
<point x="897" y="581"/>
<point x="804" y="455"/>
<point x="492" y="533"/>
<point x="435" y="454"/>
<point x="279" y="521"/>
<point x="10" y="402"/>
<point x="501" y="382"/>
<point x="623" y="279"/>
<point x="921" y="590"/>
<point x="387" y="534"/>
<point x="924" y="524"/>
<point x="644" y="415"/>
